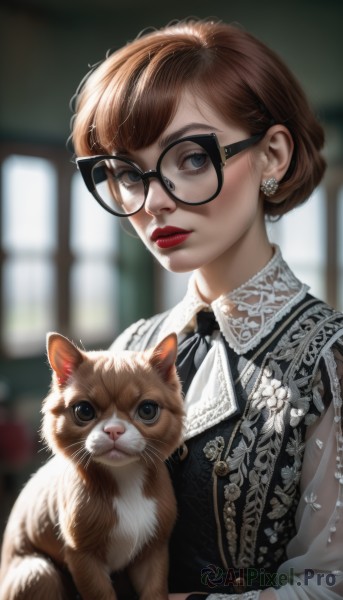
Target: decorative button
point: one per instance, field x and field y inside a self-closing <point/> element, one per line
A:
<point x="183" y="452"/>
<point x="221" y="468"/>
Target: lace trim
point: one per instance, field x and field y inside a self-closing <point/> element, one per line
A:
<point x="249" y="313"/>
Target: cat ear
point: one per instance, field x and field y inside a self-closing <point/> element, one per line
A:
<point x="164" y="356"/>
<point x="63" y="356"/>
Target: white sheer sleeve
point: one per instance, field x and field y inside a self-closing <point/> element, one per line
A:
<point x="315" y="555"/>
<point x="316" y="552"/>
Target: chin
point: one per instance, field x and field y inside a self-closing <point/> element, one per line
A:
<point x="179" y="264"/>
<point x="116" y="461"/>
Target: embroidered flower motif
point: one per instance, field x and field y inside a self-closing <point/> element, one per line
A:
<point x="280" y="506"/>
<point x="310" y="419"/>
<point x="271" y="393"/>
<point x="311" y="500"/>
<point x="214" y="448"/>
<point x="273" y="533"/>
<point x="275" y="395"/>
<point x="238" y="456"/>
<point x="295" y="446"/>
<point x="319" y="443"/>
<point x="290" y="474"/>
<point x="300" y="409"/>
<point x="231" y="492"/>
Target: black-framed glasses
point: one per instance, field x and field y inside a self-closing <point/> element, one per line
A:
<point x="190" y="170"/>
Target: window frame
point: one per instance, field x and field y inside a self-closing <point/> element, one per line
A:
<point x="135" y="269"/>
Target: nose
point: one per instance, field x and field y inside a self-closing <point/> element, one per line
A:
<point x="158" y="200"/>
<point x="114" y="430"/>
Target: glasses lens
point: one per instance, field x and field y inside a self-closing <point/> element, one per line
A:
<point x="188" y="172"/>
<point x="119" y="185"/>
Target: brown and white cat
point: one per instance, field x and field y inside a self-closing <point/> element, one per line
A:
<point x="104" y="502"/>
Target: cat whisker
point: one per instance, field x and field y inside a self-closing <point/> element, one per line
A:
<point x="156" y="451"/>
<point x="149" y="458"/>
<point x="156" y="441"/>
<point x="85" y="459"/>
<point x="80" y="457"/>
<point x="88" y="461"/>
<point x="152" y="455"/>
<point x="45" y="448"/>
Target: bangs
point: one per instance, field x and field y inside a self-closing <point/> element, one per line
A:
<point x="128" y="101"/>
<point x="131" y="117"/>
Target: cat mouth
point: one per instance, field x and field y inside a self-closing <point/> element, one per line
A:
<point x="115" y="455"/>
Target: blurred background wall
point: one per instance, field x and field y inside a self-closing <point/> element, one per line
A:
<point x="64" y="263"/>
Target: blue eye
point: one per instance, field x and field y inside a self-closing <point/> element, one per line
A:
<point x="83" y="412"/>
<point x="198" y="160"/>
<point x="126" y="177"/>
<point x="148" y="411"/>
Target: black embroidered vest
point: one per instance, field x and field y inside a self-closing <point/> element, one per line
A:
<point x="238" y="487"/>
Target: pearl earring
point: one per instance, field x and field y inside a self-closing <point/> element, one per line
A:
<point x="269" y="186"/>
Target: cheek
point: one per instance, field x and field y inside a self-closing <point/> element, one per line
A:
<point x="139" y="223"/>
<point x="240" y="191"/>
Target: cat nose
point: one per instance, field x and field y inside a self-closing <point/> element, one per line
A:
<point x="114" y="430"/>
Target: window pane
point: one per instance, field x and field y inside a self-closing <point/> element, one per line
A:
<point x="93" y="230"/>
<point x="29" y="204"/>
<point x="302" y="237"/>
<point x="29" y="304"/>
<point x="93" y="308"/>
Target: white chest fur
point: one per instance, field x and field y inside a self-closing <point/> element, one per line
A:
<point x="136" y="517"/>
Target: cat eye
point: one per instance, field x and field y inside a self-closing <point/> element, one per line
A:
<point x="148" y="412"/>
<point x="83" y="412"/>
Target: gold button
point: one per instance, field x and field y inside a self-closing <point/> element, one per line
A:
<point x="221" y="468"/>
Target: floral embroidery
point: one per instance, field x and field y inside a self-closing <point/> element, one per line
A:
<point x="232" y="492"/>
<point x="273" y="396"/>
<point x="281" y="382"/>
<point x="273" y="533"/>
<point x="280" y="503"/>
<point x="290" y="474"/>
<point x="311" y="500"/>
<point x="265" y="458"/>
<point x="239" y="461"/>
<point x="300" y="408"/>
<point x="295" y="446"/>
<point x="214" y="448"/>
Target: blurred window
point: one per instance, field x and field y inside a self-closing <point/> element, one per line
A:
<point x="301" y="235"/>
<point x="59" y="253"/>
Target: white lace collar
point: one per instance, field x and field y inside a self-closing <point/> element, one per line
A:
<point x="247" y="314"/>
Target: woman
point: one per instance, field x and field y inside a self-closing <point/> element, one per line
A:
<point x="208" y="133"/>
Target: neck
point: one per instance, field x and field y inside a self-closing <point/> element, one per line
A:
<point x="233" y="269"/>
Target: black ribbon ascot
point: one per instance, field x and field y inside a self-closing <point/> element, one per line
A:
<point x="193" y="349"/>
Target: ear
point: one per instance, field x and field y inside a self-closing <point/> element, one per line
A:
<point x="64" y="357"/>
<point x="164" y="356"/>
<point x="278" y="148"/>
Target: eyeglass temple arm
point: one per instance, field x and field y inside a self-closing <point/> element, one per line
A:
<point x="232" y="149"/>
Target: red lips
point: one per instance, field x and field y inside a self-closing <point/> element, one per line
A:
<point x="167" y="237"/>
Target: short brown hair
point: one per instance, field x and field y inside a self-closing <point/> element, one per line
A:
<point x="129" y="99"/>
